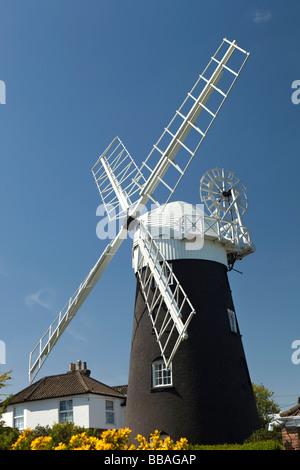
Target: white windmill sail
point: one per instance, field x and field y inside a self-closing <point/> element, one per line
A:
<point x="115" y="173"/>
<point x="169" y="308"/>
<point x="43" y="348"/>
<point x="125" y="189"/>
<point x="181" y="139"/>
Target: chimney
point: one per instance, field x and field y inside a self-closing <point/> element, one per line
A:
<point x="81" y="367"/>
<point x="84" y="369"/>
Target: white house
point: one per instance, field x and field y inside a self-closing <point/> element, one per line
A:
<point x="74" y="396"/>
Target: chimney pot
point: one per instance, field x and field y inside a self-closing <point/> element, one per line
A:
<point x="79" y="365"/>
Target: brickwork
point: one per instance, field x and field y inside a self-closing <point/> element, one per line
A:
<point x="291" y="438"/>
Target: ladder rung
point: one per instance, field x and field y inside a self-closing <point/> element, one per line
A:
<point x="218" y="89"/>
<point x="147" y="166"/>
<point x="150" y="196"/>
<point x="189" y="122"/>
<point x="225" y="67"/>
<point x="134" y="181"/>
<point x="214" y="86"/>
<point x="158" y="149"/>
<point x="208" y="110"/>
<point x="171" y="134"/>
<point x="184" y="146"/>
<point x="191" y="96"/>
<point x="175" y="165"/>
<point x="181" y="115"/>
<point x="236" y="46"/>
<point x="203" y="78"/>
<point x="197" y="129"/>
<point x="163" y="182"/>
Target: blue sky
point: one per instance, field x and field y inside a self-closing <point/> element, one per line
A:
<point x="79" y="73"/>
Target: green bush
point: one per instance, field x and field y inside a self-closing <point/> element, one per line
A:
<point x="7" y="437"/>
<point x="260" y="445"/>
<point x="62" y="432"/>
<point x="263" y="434"/>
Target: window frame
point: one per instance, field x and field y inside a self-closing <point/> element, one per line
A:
<point x="232" y="320"/>
<point x="166" y="378"/>
<point x="19" y="417"/>
<point x="109" y="412"/>
<point x="62" y="413"/>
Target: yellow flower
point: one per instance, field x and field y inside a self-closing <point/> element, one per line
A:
<point x="61" y="446"/>
<point x="83" y="442"/>
<point x="41" y="443"/>
<point x="23" y="441"/>
<point x="182" y="444"/>
<point x="159" y="444"/>
<point x="111" y="439"/>
<point x="114" y="439"/>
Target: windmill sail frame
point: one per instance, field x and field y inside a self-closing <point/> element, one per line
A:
<point x="126" y="189"/>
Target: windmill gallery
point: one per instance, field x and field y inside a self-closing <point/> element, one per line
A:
<point x="186" y="342"/>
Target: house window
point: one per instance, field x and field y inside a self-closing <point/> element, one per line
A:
<point x="232" y="320"/>
<point x="66" y="411"/>
<point x="19" y="417"/>
<point x="161" y="377"/>
<point x="109" y="412"/>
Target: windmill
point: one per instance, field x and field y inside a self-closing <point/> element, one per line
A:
<point x="166" y="341"/>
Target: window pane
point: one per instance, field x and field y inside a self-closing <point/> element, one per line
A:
<point x="66" y="417"/>
<point x="66" y="411"/>
<point x="109" y="405"/>
<point x="19" y="423"/>
<point x="19" y="411"/>
<point x="110" y="417"/>
<point x="232" y="320"/>
<point x="19" y="417"/>
<point x="66" y="405"/>
<point x="161" y="375"/>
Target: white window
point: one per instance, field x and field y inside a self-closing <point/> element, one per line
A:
<point x="232" y="320"/>
<point x="19" y="417"/>
<point x="109" y="412"/>
<point x="161" y="377"/>
<point x="66" y="411"/>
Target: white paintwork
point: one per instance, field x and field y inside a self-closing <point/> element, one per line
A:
<point x="88" y="411"/>
<point x="212" y="239"/>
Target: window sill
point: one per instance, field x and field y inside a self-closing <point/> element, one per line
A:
<point x="162" y="388"/>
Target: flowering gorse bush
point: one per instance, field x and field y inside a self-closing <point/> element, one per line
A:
<point x="113" y="439"/>
<point x="24" y="440"/>
<point x="158" y="444"/>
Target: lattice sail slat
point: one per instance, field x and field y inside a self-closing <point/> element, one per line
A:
<point x="168" y="306"/>
<point x="116" y="176"/>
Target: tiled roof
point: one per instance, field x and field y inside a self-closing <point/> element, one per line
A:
<point x="295" y="411"/>
<point x="71" y="383"/>
<point x="121" y="388"/>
